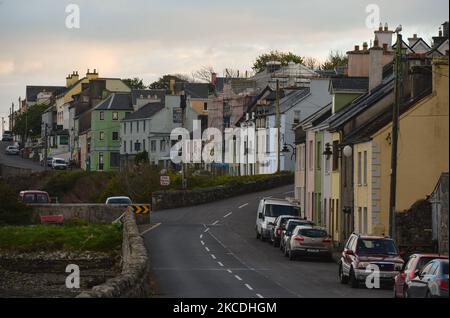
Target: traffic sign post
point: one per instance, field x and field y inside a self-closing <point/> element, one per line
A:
<point x="164" y="181"/>
<point x="141" y="209"/>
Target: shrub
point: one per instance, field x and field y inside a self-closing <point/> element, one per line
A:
<point x="12" y="212"/>
<point x="63" y="182"/>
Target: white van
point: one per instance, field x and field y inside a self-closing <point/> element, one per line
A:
<point x="269" y="209"/>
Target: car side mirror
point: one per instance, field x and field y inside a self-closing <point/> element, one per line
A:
<point x="417" y="273"/>
<point x="260" y="215"/>
<point x="349" y="252"/>
<point x="272" y="224"/>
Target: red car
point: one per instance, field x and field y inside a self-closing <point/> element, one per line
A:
<point x="413" y="267"/>
<point x="34" y="197"/>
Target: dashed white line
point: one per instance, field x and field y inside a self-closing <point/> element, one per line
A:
<point x="215" y="223"/>
<point x="203" y="243"/>
<point x="225" y="216"/>
<point x="207" y="249"/>
<point x="213" y="256"/>
<point x="220" y="264"/>
<point x="229" y="271"/>
<point x="201" y="236"/>
<point x="248" y="286"/>
<point x="206" y="230"/>
<point x="243" y="206"/>
<point x="150" y="229"/>
<point x="238" y="278"/>
<point x="259" y="296"/>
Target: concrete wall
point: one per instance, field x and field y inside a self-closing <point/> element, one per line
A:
<point x="134" y="281"/>
<point x="6" y="171"/>
<point x="94" y="213"/>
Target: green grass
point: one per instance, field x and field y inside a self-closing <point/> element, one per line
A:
<point x="73" y="236"/>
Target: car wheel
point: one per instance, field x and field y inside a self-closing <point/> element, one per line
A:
<point x="342" y="278"/>
<point x="353" y="281"/>
<point x="285" y="252"/>
<point x="258" y="236"/>
<point x="428" y="294"/>
<point x="291" y="256"/>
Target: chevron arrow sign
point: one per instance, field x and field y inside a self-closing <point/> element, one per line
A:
<point x="141" y="209"/>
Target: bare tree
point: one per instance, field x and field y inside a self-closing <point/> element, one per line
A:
<point x="204" y="74"/>
<point x="311" y="62"/>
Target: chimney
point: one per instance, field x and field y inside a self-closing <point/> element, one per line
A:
<point x="69" y="80"/>
<point x="385" y="47"/>
<point x="380" y="28"/>
<point x="356" y="48"/>
<point x="214" y="79"/>
<point x="91" y="75"/>
<point x="375" y="65"/>
<point x="440" y="32"/>
<point x="386" y="27"/>
<point x="172" y="86"/>
<point x="365" y="46"/>
<point x="75" y="76"/>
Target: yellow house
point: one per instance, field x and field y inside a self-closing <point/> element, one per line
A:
<point x="423" y="155"/>
<point x="335" y="208"/>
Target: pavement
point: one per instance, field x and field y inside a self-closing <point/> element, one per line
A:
<point x="17" y="161"/>
<point x="210" y="251"/>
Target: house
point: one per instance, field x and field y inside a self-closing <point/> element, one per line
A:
<point x="105" y="131"/>
<point x="439" y="208"/>
<point x="422" y="154"/>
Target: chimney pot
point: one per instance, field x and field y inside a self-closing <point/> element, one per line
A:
<point x="380" y="27"/>
<point x="385" y="46"/>
<point x="386" y="27"/>
<point x="440" y="32"/>
<point x="88" y="71"/>
<point x="356" y="47"/>
<point x="415" y="35"/>
<point x="365" y="46"/>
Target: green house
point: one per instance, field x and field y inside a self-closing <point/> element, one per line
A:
<point x="105" y="131"/>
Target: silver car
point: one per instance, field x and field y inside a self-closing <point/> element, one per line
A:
<point x="309" y="241"/>
<point x="12" y="150"/>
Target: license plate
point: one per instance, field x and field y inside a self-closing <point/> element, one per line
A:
<point x="313" y="251"/>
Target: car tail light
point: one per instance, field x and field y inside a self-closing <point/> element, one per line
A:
<point x="442" y="283"/>
<point x="299" y="238"/>
<point x="326" y="241"/>
<point x="279" y="232"/>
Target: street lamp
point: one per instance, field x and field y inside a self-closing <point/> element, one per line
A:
<point x="286" y="150"/>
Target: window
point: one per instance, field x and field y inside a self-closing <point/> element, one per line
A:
<point x="144" y="124"/>
<point x="365" y="169"/>
<point x="115" y="116"/>
<point x="64" y="140"/>
<point x="359" y="220"/>
<point x="205" y="106"/>
<point x="137" y="146"/>
<point x="102" y="115"/>
<point x="319" y="155"/>
<point x="101" y="164"/>
<point x="131" y="127"/>
<point x="359" y="168"/>
<point x="102" y="135"/>
<point x="114" y="159"/>
<point x="137" y="126"/>
<point x="124" y="128"/>
<point x="311" y="156"/>
<point x="115" y="136"/>
<point x="153" y="146"/>
<point x="131" y="146"/>
<point x="297" y="116"/>
<point x="162" y="146"/>
<point x="335" y="155"/>
<point x="124" y="146"/>
<point x="144" y="148"/>
<point x="366" y="221"/>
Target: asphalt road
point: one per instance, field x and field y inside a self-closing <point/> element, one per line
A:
<point x="17" y="161"/>
<point x="210" y="251"/>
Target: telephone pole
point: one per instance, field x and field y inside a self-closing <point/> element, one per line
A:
<point x="278" y="126"/>
<point x="395" y="129"/>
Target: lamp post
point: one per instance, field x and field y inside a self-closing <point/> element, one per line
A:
<point x="286" y="150"/>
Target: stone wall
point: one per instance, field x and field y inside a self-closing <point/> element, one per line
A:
<point x="134" y="281"/>
<point x="163" y="200"/>
<point x="414" y="228"/>
<point x="7" y="171"/>
<point x="93" y="213"/>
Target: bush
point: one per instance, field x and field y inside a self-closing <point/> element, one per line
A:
<point x="12" y="212"/>
<point x="63" y="181"/>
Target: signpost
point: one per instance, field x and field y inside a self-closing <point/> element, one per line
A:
<point x="141" y="209"/>
<point x="164" y="181"/>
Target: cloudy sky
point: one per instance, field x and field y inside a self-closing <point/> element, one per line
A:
<point x="154" y="37"/>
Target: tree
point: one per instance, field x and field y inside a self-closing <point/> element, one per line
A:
<point x="311" y="62"/>
<point x="135" y="83"/>
<point x="29" y="123"/>
<point x="141" y="158"/>
<point x="260" y="64"/>
<point x="204" y="74"/>
<point x="335" y="59"/>
<point x="164" y="81"/>
<point x="12" y="212"/>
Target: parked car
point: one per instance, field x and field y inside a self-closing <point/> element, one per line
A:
<point x="49" y="161"/>
<point x="361" y="251"/>
<point x="432" y="281"/>
<point x="309" y="241"/>
<point x="34" y="197"/>
<point x="269" y="209"/>
<point x="278" y="227"/>
<point x="12" y="150"/>
<point x="7" y="136"/>
<point x="59" y="164"/>
<point x="413" y="267"/>
<point x="287" y="232"/>
<point x="118" y="201"/>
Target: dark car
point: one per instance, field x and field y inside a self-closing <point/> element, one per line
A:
<point x="363" y="252"/>
<point x="432" y="281"/>
<point x="34" y="197"/>
<point x="278" y="228"/>
<point x="287" y="232"/>
<point x="413" y="267"/>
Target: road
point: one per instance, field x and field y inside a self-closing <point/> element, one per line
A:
<point x="210" y="251"/>
<point x="17" y="161"/>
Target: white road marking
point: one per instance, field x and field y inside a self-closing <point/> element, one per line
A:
<point x="243" y="206"/>
<point x="229" y="271"/>
<point x="201" y="236"/>
<point x="207" y="229"/>
<point x="203" y="243"/>
<point x="225" y="216"/>
<point x="259" y="296"/>
<point x="215" y="223"/>
<point x="207" y="249"/>
<point x="152" y="228"/>
<point x="238" y="278"/>
<point x="248" y="286"/>
<point x="220" y="264"/>
<point x="213" y="256"/>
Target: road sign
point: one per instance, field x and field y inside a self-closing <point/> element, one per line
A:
<point x="165" y="181"/>
<point x="141" y="209"/>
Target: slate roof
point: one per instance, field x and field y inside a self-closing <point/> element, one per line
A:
<point x="317" y="117"/>
<point x="137" y="93"/>
<point x="33" y="91"/>
<point x="146" y="111"/>
<point x="350" y="83"/>
<point x="197" y="90"/>
<point x="116" y="101"/>
<point x="290" y="99"/>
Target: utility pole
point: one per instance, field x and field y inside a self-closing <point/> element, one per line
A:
<point x="183" y="106"/>
<point x="278" y="126"/>
<point x="395" y="129"/>
<point x="45" y="146"/>
<point x="3" y="125"/>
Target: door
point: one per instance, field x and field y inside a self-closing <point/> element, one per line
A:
<point x="259" y="217"/>
<point x="418" y="287"/>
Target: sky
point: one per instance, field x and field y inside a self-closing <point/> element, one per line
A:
<point x="149" y="38"/>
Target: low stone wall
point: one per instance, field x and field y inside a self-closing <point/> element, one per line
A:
<point x="163" y="200"/>
<point x="134" y="281"/>
<point x="7" y="171"/>
<point x="93" y="213"/>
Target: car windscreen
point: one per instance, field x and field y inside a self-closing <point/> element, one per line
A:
<point x="444" y="269"/>
<point x="41" y="198"/>
<point x="377" y="246"/>
<point x="313" y="233"/>
<point x="274" y="210"/>
<point x="423" y="261"/>
<point x="29" y="198"/>
<point x="284" y="221"/>
<point x="119" y="201"/>
<point x="292" y="225"/>
<point x="61" y="162"/>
